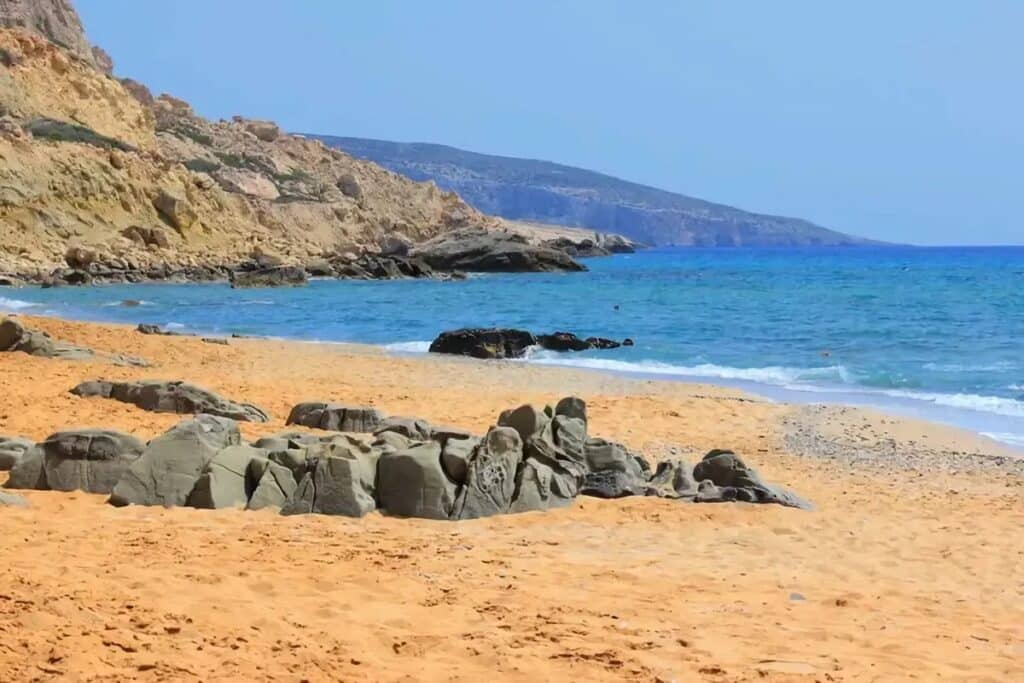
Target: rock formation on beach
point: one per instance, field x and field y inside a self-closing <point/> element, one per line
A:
<point x="101" y="181"/>
<point x="512" y="343"/>
<point x="532" y="459"/>
<point x="15" y="337"/>
<point x="171" y="397"/>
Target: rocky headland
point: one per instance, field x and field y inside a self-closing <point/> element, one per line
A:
<point x="102" y="181"/>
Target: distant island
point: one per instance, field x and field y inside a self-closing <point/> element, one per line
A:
<point x="541" y="191"/>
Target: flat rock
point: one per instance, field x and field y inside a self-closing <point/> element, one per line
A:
<point x="171" y="397"/>
<point x="336" y="417"/>
<point x="172" y="463"/>
<point x="477" y="250"/>
<point x="15" y="337"/>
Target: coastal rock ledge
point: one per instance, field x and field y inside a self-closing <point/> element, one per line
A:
<point x="489" y="343"/>
<point x="532" y="459"/>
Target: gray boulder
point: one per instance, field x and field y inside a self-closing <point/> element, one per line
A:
<point x="672" y="479"/>
<point x="28" y="472"/>
<point x="273" y="484"/>
<point x="409" y="427"/>
<point x="12" y="500"/>
<point x="527" y="420"/>
<point x="331" y="486"/>
<point x="178" y="397"/>
<point x="412" y="483"/>
<point x="172" y="463"/>
<point x="724" y="477"/>
<point x="91" y="460"/>
<point x="455" y="455"/>
<point x="612" y="484"/>
<point x="572" y="406"/>
<point x="225" y="481"/>
<point x="335" y="417"/>
<point x="613" y="471"/>
<point x="12" y="450"/>
<point x="490" y="475"/>
<point x="539" y="486"/>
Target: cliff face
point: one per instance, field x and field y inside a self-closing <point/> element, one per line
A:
<point x="58" y="22"/>
<point x="525" y="189"/>
<point x="85" y="158"/>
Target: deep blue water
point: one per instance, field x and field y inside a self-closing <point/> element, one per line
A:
<point x="932" y="332"/>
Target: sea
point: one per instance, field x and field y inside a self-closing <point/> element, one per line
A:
<point x="934" y="333"/>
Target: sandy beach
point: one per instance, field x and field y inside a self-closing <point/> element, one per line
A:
<point x="909" y="567"/>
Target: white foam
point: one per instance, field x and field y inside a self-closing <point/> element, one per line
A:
<point x="985" y="404"/>
<point x="409" y="347"/>
<point x="970" y="367"/>
<point x="174" y="326"/>
<point x="1006" y="437"/>
<point x="774" y="375"/>
<point x="14" y="304"/>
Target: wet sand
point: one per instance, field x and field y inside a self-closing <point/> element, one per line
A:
<point x="909" y="567"/>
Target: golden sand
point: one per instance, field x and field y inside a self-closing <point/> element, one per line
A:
<point x="898" y="573"/>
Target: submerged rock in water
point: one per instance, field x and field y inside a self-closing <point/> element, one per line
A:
<point x="484" y="343"/>
<point x="511" y="343"/>
<point x="171" y="397"/>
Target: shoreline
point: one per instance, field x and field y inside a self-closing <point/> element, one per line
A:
<point x="900" y="571"/>
<point x="1006" y="431"/>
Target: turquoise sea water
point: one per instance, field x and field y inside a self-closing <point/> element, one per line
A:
<point x="936" y="333"/>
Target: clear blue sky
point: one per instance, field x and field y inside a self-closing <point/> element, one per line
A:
<point x="895" y="120"/>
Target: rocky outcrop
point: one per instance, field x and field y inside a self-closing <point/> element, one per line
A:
<point x="600" y="245"/>
<point x="276" y="276"/>
<point x="484" y="343"/>
<point x="15" y="337"/>
<point x="487" y="251"/>
<point x="167" y="471"/>
<point x="101" y="163"/>
<point x="171" y="397"/>
<point x="512" y="343"/>
<point x="533" y="459"/>
<point x="57" y="21"/>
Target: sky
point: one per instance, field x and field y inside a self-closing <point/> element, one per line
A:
<point x="900" y="121"/>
